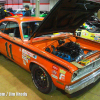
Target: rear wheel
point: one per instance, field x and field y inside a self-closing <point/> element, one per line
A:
<point x="42" y="80"/>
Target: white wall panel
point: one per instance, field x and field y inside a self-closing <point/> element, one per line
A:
<point x="52" y="3"/>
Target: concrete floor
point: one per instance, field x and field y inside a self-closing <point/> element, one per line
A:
<point x="15" y="79"/>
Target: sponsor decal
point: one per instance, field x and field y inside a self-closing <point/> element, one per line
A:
<point x="97" y="34"/>
<point x="24" y="62"/>
<point x="54" y="72"/>
<point x="29" y="54"/>
<point x="62" y="77"/>
<point x="62" y="71"/>
<point x="54" y="76"/>
<point x="92" y="34"/>
<point x="95" y="38"/>
<point x="55" y="68"/>
<point x="34" y="56"/>
<point x="26" y="55"/>
<point x="85" y="34"/>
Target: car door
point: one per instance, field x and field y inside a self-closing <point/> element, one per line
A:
<point x="10" y="45"/>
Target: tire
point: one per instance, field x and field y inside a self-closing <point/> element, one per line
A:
<point x="42" y="80"/>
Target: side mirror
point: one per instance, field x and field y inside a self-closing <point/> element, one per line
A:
<point x="11" y="34"/>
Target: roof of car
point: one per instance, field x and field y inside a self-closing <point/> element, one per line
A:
<point x="22" y="19"/>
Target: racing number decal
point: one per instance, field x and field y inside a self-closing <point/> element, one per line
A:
<point x="6" y="44"/>
<point x="10" y="47"/>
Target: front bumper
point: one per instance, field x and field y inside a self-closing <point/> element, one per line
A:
<point x="83" y="83"/>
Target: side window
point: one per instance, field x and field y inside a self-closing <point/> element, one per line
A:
<point x="12" y="27"/>
<point x="29" y="27"/>
<point x="2" y="26"/>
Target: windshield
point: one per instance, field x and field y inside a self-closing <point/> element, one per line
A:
<point x="29" y="27"/>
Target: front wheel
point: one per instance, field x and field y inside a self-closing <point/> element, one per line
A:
<point x="42" y="80"/>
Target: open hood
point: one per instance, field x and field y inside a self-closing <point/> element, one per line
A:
<point x="67" y="16"/>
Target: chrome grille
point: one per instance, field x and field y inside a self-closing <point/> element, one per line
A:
<point x="97" y="63"/>
<point x="87" y="69"/>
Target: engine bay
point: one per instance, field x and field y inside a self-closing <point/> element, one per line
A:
<point x="72" y="52"/>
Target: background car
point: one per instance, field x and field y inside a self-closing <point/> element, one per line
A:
<point x="8" y="14"/>
<point x="89" y="31"/>
<point x="20" y="12"/>
<point x="42" y="14"/>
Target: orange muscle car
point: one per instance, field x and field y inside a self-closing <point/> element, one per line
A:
<point x="65" y="61"/>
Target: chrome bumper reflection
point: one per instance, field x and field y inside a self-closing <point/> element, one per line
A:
<point x="83" y="83"/>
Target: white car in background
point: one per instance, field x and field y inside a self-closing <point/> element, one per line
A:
<point x="19" y="10"/>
